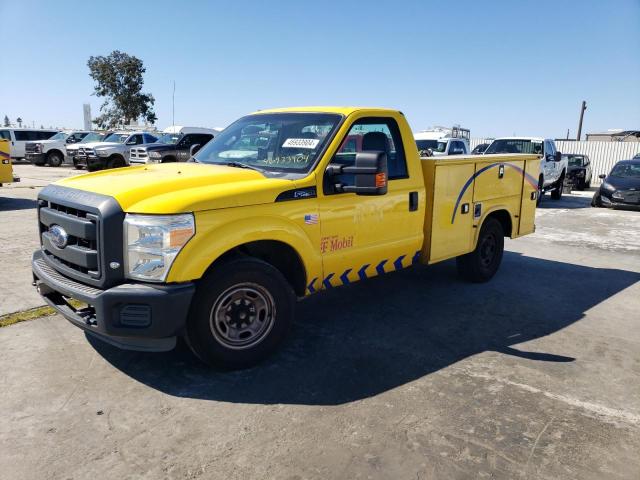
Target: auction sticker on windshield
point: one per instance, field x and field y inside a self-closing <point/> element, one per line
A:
<point x="310" y="143"/>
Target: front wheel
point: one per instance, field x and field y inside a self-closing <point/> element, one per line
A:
<point x="116" y="162"/>
<point x="482" y="264"/>
<point x="556" y="194"/>
<point x="76" y="165"/>
<point x="54" y="159"/>
<point x="241" y="312"/>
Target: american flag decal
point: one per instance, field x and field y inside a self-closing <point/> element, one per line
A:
<point x="311" y="219"/>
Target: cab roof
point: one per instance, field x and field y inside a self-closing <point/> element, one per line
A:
<point x="340" y="110"/>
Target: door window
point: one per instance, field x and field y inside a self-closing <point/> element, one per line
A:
<point x="381" y="134"/>
<point x="5" y="134"/>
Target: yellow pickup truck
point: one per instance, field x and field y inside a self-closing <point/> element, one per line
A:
<point x="282" y="204"/>
<point x="6" y="169"/>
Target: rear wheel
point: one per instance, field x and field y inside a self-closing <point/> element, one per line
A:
<point x="240" y="313"/>
<point x="54" y="159"/>
<point x="482" y="264"/>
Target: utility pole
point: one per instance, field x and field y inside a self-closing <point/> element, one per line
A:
<point x="582" y="109"/>
<point x="567" y="134"/>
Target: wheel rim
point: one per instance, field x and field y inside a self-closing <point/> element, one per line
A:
<point x="242" y="316"/>
<point x="488" y="249"/>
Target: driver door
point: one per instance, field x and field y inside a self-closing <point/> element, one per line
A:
<point x="368" y="235"/>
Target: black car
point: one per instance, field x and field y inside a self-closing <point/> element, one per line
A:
<point x="621" y="188"/>
<point x="170" y="147"/>
<point x="479" y="149"/>
<point x="579" y="171"/>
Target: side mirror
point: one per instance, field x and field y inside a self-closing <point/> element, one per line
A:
<point x="602" y="176"/>
<point x="557" y="157"/>
<point x="370" y="173"/>
<point x="194" y="149"/>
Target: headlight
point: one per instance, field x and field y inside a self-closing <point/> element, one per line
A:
<point x="155" y="155"/>
<point x="608" y="186"/>
<point x="152" y="243"/>
<point x="38" y="148"/>
<point x="580" y="173"/>
<point x="102" y="153"/>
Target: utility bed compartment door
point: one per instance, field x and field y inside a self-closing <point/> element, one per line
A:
<point x="529" y="192"/>
<point x="452" y="221"/>
<point x="498" y="180"/>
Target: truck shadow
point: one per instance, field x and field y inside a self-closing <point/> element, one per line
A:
<point x="7" y="204"/>
<point x="359" y="341"/>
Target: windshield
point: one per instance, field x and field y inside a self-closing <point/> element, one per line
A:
<point x="434" y="145"/>
<point x="515" y="146"/>
<point x="169" y="138"/>
<point x="59" y="136"/>
<point x="626" y="170"/>
<point x="277" y="142"/>
<point x="116" y="138"/>
<point x="92" y="137"/>
<point x="575" y="161"/>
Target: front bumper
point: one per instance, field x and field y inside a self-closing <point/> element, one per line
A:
<point x="132" y="316"/>
<point x="35" y="158"/>
<point x="611" y="199"/>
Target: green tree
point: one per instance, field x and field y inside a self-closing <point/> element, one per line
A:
<point x="7" y="123"/>
<point x="19" y="120"/>
<point x="118" y="78"/>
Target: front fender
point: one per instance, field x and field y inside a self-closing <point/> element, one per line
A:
<point x="215" y="236"/>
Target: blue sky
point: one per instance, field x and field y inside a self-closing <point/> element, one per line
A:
<point x="498" y="68"/>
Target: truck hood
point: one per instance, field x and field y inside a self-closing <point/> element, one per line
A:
<point x="96" y="144"/>
<point x="108" y="145"/>
<point x="49" y="142"/>
<point x="181" y="187"/>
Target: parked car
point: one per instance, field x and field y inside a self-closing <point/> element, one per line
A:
<point x="72" y="149"/>
<point x="441" y="141"/>
<point x="52" y="151"/>
<point x="218" y="250"/>
<point x="113" y="152"/>
<point x="18" y="137"/>
<point x="479" y="149"/>
<point x="621" y="188"/>
<point x="636" y="156"/>
<point x="174" y="145"/>
<point x="578" y="170"/>
<point x="553" y="168"/>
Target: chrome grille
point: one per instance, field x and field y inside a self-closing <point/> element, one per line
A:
<point x="80" y="254"/>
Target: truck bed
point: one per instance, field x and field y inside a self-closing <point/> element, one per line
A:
<point x="462" y="191"/>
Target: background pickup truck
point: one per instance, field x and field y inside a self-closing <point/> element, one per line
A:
<point x="553" y="166"/>
<point x="281" y="204"/>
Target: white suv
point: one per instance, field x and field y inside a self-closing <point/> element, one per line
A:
<point x="553" y="168"/>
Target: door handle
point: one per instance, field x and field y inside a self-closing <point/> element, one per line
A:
<point x="413" y="201"/>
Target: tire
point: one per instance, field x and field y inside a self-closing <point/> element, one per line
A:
<point x="227" y="296"/>
<point x="596" y="201"/>
<point x="54" y="159"/>
<point x="540" y="190"/>
<point x="76" y="165"/>
<point x="556" y="193"/>
<point x="116" y="161"/>
<point x="587" y="185"/>
<point x="92" y="167"/>
<point x="482" y="264"/>
<point x="581" y="185"/>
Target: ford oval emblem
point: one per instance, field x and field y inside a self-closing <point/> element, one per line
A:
<point x="59" y="236"/>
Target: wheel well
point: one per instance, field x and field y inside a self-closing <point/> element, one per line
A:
<point x="168" y="159"/>
<point x="55" y="150"/>
<point x="505" y="220"/>
<point x="279" y="254"/>
<point x="115" y="155"/>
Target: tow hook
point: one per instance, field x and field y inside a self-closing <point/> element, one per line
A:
<point x="42" y="288"/>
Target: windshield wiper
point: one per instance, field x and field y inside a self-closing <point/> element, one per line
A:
<point x="241" y="165"/>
